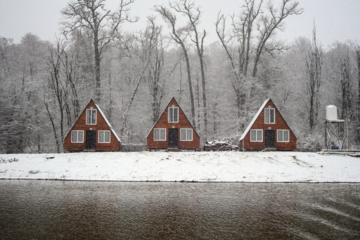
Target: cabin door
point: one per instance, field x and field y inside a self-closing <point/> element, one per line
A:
<point x="269" y="138"/>
<point x="90" y="139"/>
<point x="173" y="137"/>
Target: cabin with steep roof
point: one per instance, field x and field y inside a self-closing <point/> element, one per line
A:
<point x="91" y="132"/>
<point x="173" y="131"/>
<point x="268" y="130"/>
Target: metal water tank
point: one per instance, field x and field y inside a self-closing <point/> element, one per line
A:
<point x="331" y="113"/>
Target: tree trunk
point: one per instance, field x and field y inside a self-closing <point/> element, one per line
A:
<point x="192" y="102"/>
<point x="53" y="126"/>
<point x="141" y="76"/>
<point x="97" y="69"/>
<point x="199" y="125"/>
<point x="203" y="84"/>
<point x="313" y="64"/>
<point x="110" y="97"/>
<point x="181" y="77"/>
<point x="345" y="87"/>
<point x="177" y="38"/>
<point x="358" y="93"/>
<point x="311" y="113"/>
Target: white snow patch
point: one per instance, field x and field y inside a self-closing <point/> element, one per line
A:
<point x="183" y="166"/>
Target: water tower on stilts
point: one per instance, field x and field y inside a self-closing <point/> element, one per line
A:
<point x="336" y="131"/>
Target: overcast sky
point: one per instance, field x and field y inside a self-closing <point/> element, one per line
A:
<point x="336" y="20"/>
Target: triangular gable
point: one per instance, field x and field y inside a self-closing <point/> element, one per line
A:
<point x="164" y="112"/>
<point x="254" y="119"/>
<point x="107" y="122"/>
<point x="103" y="116"/>
<point x="257" y="116"/>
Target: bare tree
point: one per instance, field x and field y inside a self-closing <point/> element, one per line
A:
<point x="253" y="30"/>
<point x="61" y="96"/>
<point x="313" y="70"/>
<point x="154" y="75"/>
<point x="12" y="132"/>
<point x="179" y="35"/>
<point x="343" y="72"/>
<point x="101" y="24"/>
<point x="71" y="74"/>
<point x="57" y="85"/>
<point x="358" y="93"/>
<point x="267" y="27"/>
<point x="33" y="64"/>
<point x="193" y="14"/>
<point x="345" y="83"/>
<point x="53" y="125"/>
<point x="147" y="45"/>
<point x="237" y="67"/>
<point x="141" y="48"/>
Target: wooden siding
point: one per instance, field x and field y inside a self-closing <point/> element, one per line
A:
<point x="280" y="124"/>
<point x="163" y="123"/>
<point x="101" y="124"/>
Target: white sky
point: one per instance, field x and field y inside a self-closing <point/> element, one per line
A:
<point x="336" y="20"/>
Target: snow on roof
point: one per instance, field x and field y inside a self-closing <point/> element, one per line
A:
<point x="163" y="113"/>
<point x="102" y="114"/>
<point x="107" y="122"/>
<point x="254" y="119"/>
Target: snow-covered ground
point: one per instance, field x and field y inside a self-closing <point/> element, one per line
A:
<point x="183" y="166"/>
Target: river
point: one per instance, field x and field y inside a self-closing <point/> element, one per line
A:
<point x="140" y="210"/>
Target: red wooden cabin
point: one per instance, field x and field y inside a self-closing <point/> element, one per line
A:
<point x="268" y="130"/>
<point x="91" y="132"/>
<point x="173" y="130"/>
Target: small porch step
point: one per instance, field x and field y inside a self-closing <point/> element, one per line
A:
<point x="269" y="150"/>
<point x="172" y="149"/>
<point x="89" y="150"/>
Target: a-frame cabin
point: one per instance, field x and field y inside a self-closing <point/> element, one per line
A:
<point x="173" y="130"/>
<point x="91" y="132"/>
<point x="268" y="130"/>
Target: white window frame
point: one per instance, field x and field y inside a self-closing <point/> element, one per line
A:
<point x="186" y="134"/>
<point x="256" y="135"/>
<point x="267" y="116"/>
<point x="281" y="134"/>
<point x="171" y="114"/>
<point x="102" y="134"/>
<point x="159" y="134"/>
<point x="77" y="132"/>
<point x="89" y="118"/>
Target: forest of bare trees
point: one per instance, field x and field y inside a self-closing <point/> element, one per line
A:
<point x="133" y="75"/>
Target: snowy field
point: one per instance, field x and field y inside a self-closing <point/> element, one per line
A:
<point x="183" y="166"/>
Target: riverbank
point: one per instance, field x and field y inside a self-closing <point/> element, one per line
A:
<point x="183" y="166"/>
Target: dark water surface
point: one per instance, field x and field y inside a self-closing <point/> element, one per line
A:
<point x="115" y="210"/>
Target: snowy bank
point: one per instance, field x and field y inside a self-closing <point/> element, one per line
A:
<point x="183" y="166"/>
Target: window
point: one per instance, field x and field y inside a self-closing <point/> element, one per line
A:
<point x="173" y="115"/>
<point x="256" y="135"/>
<point x="159" y="134"/>
<point x="186" y="134"/>
<point x="90" y="116"/>
<point x="104" y="136"/>
<point x="269" y="115"/>
<point x="283" y="136"/>
<point x="77" y="136"/>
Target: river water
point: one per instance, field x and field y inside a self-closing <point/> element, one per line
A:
<point x="117" y="210"/>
